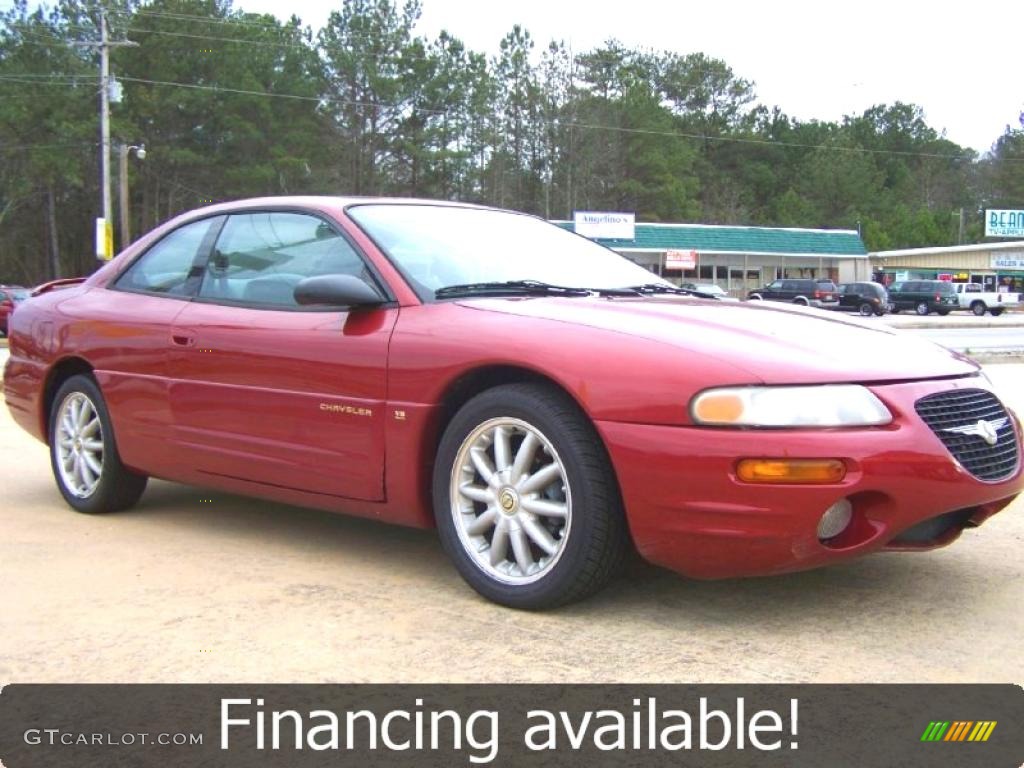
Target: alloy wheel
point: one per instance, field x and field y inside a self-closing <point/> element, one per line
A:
<point x="79" y="445"/>
<point x="510" y="501"/>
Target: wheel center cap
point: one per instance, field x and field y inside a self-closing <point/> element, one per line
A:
<point x="508" y="499"/>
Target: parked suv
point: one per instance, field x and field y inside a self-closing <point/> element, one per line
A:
<point x="814" y="293"/>
<point x="924" y="296"/>
<point x="865" y="298"/>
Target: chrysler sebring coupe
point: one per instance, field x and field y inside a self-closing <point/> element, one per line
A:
<point x="542" y="401"/>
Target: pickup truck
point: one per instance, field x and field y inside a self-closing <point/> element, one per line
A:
<point x="974" y="297"/>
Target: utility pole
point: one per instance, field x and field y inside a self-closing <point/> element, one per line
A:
<point x="104" y="248"/>
<point x="122" y="188"/>
<point x="122" y="156"/>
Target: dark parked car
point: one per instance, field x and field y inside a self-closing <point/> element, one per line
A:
<point x="10" y="297"/>
<point x="924" y="296"/>
<point x="813" y="293"/>
<point x="867" y="299"/>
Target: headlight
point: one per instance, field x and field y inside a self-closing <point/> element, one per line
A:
<point x="829" y="405"/>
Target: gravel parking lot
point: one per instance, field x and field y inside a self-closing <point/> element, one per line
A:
<point x="197" y="586"/>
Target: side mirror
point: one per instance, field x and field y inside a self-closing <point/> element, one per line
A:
<point x="336" y="291"/>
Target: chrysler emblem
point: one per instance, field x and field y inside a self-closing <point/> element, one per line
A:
<point x="508" y="500"/>
<point x="986" y="430"/>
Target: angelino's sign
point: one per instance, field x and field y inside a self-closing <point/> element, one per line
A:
<point x="1008" y="260"/>
<point x="607" y="226"/>
<point x="1000" y="223"/>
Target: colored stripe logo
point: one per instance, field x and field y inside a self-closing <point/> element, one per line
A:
<point x="958" y="730"/>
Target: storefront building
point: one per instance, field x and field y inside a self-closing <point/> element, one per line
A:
<point x="740" y="259"/>
<point x="997" y="266"/>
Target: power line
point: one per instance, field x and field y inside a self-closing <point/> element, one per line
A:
<point x="241" y="41"/>
<point x="32" y="147"/>
<point x="164" y="180"/>
<point x="316" y="46"/>
<point x="285" y="27"/>
<point x="558" y="122"/>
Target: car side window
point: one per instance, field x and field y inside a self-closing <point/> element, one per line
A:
<point x="166" y="266"/>
<point x="260" y="257"/>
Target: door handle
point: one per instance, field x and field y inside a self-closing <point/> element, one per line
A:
<point x="183" y="340"/>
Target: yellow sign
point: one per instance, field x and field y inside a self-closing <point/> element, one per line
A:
<point x="104" y="239"/>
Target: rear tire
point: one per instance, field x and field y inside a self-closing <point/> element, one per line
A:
<point x="866" y="310"/>
<point x="922" y="309"/>
<point x="978" y="308"/>
<point x="83" y="452"/>
<point x="800" y="300"/>
<point x="525" y="498"/>
<point x="996" y="312"/>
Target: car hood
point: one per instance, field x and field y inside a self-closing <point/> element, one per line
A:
<point x="772" y="343"/>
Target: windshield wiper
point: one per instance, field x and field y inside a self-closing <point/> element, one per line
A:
<point x="509" y="288"/>
<point x="662" y="288"/>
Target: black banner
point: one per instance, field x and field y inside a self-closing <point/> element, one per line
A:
<point x="520" y="725"/>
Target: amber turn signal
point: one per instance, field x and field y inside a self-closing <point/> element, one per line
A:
<point x="791" y="470"/>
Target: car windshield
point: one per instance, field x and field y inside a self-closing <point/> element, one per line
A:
<point x="20" y="294"/>
<point x="438" y="247"/>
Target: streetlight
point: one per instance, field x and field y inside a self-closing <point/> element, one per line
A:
<point x="123" y="150"/>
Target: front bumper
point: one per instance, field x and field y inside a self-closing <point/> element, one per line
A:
<point x="688" y="511"/>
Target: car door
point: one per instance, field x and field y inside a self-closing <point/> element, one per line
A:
<point x="129" y="327"/>
<point x="847" y="295"/>
<point x="907" y="295"/>
<point x="267" y="391"/>
<point x="771" y="291"/>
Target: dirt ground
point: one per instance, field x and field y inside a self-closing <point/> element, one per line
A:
<point x="232" y="590"/>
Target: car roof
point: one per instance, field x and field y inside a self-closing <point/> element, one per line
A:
<point x="322" y="202"/>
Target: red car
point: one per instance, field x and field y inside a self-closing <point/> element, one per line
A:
<point x="10" y="297"/>
<point x="544" y="402"/>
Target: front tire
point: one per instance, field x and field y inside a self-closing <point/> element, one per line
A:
<point x="525" y="498"/>
<point x="866" y="310"/>
<point x="83" y="453"/>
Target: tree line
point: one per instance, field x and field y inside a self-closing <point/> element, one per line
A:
<point x="233" y="104"/>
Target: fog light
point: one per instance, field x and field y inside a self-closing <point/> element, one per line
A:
<point x="835" y="520"/>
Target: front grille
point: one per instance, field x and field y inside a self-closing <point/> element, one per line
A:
<point x="964" y="409"/>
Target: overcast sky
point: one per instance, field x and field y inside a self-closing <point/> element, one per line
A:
<point x="963" y="63"/>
